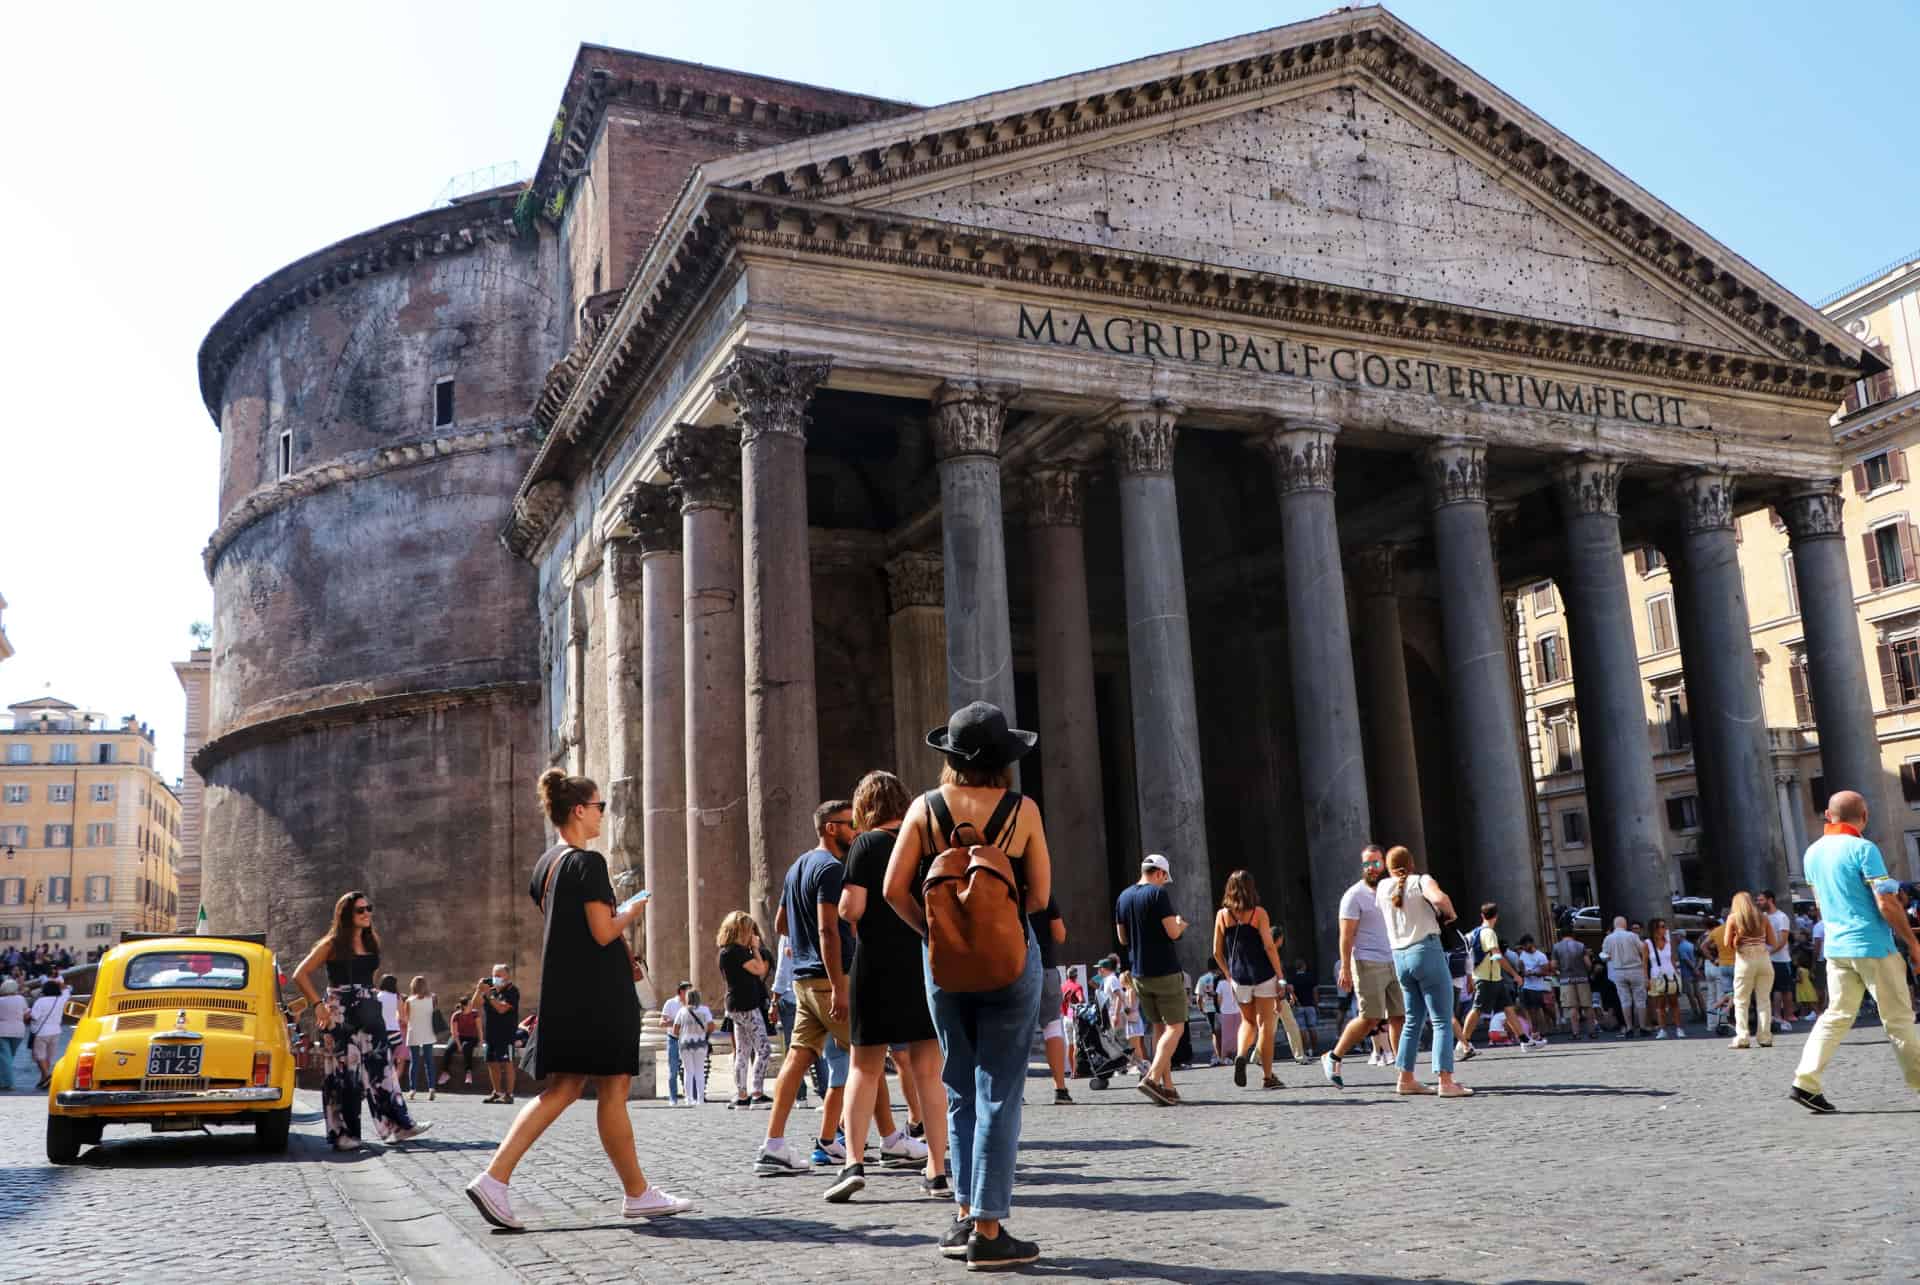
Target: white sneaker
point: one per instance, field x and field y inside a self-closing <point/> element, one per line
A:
<point x="1660" y="1034"/>
<point x="654" y="1203"/>
<point x="1679" y="1034"/>
<point x="494" y="1202"/>
<point x="1540" y="1041"/>
<point x="778" y="1158"/>
<point x="900" y="1151"/>
<point x="1739" y="1042"/>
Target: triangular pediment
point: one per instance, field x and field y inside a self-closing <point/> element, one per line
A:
<point x="1334" y="186"/>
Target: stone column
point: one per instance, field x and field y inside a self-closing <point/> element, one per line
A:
<point x="655" y="518"/>
<point x="705" y="466"/>
<point x="1622" y="806"/>
<point x="1495" y="805"/>
<point x="625" y="830"/>
<point x="1326" y="711"/>
<point x="574" y="733"/>
<point x="1380" y="657"/>
<point x="917" y="643"/>
<point x="967" y="422"/>
<point x="769" y="392"/>
<point x="1791" y="825"/>
<point x="1166" y="718"/>
<point x="1731" y="753"/>
<point x="1836" y="674"/>
<point x="1055" y="515"/>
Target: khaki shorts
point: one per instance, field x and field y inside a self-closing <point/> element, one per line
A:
<point x="1576" y="995"/>
<point x="1163" y="1000"/>
<point x="1377" y="990"/>
<point x="812" y="997"/>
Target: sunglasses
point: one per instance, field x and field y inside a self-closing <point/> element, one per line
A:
<point x="597" y="803"/>
<point x="363" y="910"/>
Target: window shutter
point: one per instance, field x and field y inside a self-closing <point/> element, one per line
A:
<point x="1910" y="781"/>
<point x="1802" y="710"/>
<point x="1540" y="661"/>
<point x="1872" y="550"/>
<point x="1897" y="460"/>
<point x="1889" y="675"/>
<point x="1907" y="570"/>
<point x="1860" y="479"/>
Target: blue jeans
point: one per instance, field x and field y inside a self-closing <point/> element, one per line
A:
<point x="985" y="1038"/>
<point x="9" y="1049"/>
<point x="420" y="1068"/>
<point x="673" y="1071"/>
<point x="1428" y="988"/>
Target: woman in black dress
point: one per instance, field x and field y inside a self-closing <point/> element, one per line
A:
<point x="589" y="1014"/>
<point x="888" y="993"/>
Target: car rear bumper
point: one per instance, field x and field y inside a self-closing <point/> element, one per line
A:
<point x="75" y="1098"/>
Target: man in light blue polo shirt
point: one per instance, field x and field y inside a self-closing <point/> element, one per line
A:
<point x="1861" y="906"/>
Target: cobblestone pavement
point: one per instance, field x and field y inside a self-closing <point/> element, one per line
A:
<point x="1581" y="1162"/>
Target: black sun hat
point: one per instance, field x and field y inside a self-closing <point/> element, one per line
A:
<point x="978" y="736"/>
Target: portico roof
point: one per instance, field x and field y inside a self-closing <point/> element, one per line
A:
<point x="844" y="180"/>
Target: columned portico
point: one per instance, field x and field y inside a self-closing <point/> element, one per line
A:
<point x="1166" y="719"/>
<point x="769" y="392"/>
<point x="968" y="419"/>
<point x="1495" y="811"/>
<point x="1731" y="754"/>
<point x="1842" y="705"/>
<point x="1617" y="756"/>
<point x="1381" y="663"/>
<point x="653" y="514"/>
<point x="1326" y="714"/>
<point x="705" y="466"/>
<point x="917" y="645"/>
<point x="1055" y="515"/>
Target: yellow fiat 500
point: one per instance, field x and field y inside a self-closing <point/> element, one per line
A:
<point x="180" y="1033"/>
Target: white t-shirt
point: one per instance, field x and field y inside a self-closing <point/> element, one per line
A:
<point x="670" y="1010"/>
<point x="690" y="1024"/>
<point x="1661" y="959"/>
<point x="1411" y="920"/>
<point x="43" y="1021"/>
<point x="1229" y="1005"/>
<point x="13" y="1016"/>
<point x="1782" y="924"/>
<point x="419" y="1019"/>
<point x="390" y="1009"/>
<point x="1208" y="989"/>
<point x="1819" y="939"/>
<point x="1370" y="938"/>
<point x="1533" y="967"/>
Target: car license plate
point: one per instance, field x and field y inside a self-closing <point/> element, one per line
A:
<point x="173" y="1059"/>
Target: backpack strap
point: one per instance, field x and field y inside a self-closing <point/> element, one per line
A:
<point x="999" y="827"/>
<point x="937" y="809"/>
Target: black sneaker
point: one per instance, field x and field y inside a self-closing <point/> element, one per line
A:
<point x="954" y="1243"/>
<point x="740" y="1104"/>
<point x="1062" y="1098"/>
<point x="937" y="1188"/>
<point x="1814" y="1102"/>
<point x="915" y="1129"/>
<point x="852" y="1178"/>
<point x="1239" y="1073"/>
<point x="1004" y="1250"/>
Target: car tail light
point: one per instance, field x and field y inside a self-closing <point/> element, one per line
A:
<point x="83" y="1071"/>
<point x="262" y="1063"/>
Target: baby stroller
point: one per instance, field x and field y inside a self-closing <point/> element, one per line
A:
<point x="1099" y="1053"/>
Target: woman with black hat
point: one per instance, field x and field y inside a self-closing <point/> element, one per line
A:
<point x="984" y="1035"/>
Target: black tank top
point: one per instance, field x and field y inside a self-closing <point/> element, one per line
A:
<point x="354" y="970"/>
<point x="1247" y="960"/>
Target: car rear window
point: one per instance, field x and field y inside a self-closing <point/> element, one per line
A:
<point x="197" y="970"/>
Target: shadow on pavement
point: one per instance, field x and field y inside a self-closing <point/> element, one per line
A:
<point x="729" y="1229"/>
<point x="1101" y="1144"/>
<point x="1147" y="1202"/>
<point x="1196" y="1273"/>
<point x="1569" y="1091"/>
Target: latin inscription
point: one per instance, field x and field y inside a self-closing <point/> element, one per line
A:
<point x="1264" y="354"/>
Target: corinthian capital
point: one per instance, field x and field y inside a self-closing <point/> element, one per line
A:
<point x="916" y="580"/>
<point x="1140" y="434"/>
<point x="652" y="513"/>
<point x="704" y="464"/>
<point x="1456" y="472"/>
<point x="1055" y="495"/>
<point x="968" y="418"/>
<point x="1812" y="513"/>
<point x="1590" y="484"/>
<point x="1302" y="451"/>
<point x="1706" y="500"/>
<point x="769" y="391"/>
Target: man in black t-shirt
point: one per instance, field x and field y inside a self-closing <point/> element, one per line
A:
<point x="499" y="999"/>
<point x="1050" y="930"/>
<point x="1145" y="921"/>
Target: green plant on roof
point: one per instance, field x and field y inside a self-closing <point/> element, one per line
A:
<point x="524" y="210"/>
<point x="558" y="205"/>
<point x="559" y="124"/>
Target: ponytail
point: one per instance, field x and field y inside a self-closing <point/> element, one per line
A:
<point x="1399" y="892"/>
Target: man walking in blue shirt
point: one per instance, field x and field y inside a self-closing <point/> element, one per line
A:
<point x="1860" y="904"/>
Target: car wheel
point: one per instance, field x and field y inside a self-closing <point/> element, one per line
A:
<point x="270" y="1130"/>
<point x="63" y="1139"/>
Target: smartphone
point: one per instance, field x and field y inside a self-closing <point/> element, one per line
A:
<point x="638" y="897"/>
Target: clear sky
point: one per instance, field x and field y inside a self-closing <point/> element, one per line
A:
<point x="162" y="158"/>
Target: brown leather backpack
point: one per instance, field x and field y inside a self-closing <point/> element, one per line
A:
<point x="976" y="924"/>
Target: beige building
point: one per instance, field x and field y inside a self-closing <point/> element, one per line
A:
<point x="90" y="834"/>
<point x="195" y="672"/>
<point x="1879" y="424"/>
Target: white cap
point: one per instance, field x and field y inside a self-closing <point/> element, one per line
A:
<point x="1155" y="861"/>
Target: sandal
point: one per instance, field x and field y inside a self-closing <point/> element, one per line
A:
<point x="1418" y="1090"/>
<point x="1272" y="1082"/>
<point x="1455" y="1091"/>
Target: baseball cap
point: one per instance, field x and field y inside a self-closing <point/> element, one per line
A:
<point x="1155" y="861"/>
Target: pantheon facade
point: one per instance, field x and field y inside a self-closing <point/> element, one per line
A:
<point x="1204" y="412"/>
